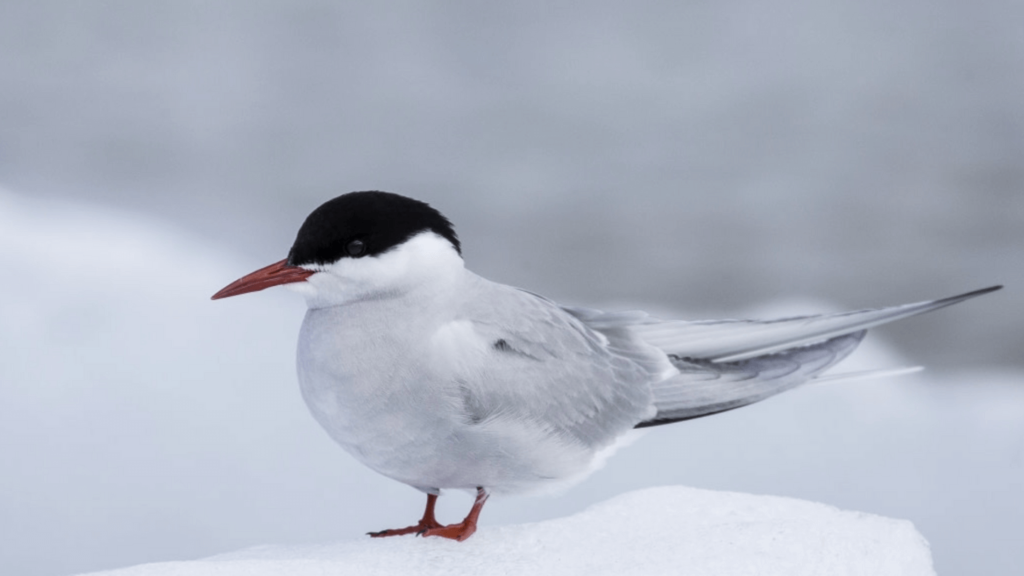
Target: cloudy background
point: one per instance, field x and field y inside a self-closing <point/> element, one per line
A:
<point x="707" y="159"/>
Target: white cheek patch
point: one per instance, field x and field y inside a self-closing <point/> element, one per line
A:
<point x="382" y="269"/>
<point x="305" y="288"/>
<point x="425" y="259"/>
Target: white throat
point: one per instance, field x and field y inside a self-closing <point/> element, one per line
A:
<point x="426" y="261"/>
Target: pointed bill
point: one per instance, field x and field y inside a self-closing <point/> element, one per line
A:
<point x="274" y="275"/>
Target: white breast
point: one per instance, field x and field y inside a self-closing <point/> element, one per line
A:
<point x="390" y="369"/>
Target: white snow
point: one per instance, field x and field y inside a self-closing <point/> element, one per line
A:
<point x="141" y="422"/>
<point x="668" y="530"/>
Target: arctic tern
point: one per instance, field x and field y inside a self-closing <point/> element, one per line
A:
<point x="438" y="378"/>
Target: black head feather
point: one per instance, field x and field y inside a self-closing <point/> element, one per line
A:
<point x="361" y="224"/>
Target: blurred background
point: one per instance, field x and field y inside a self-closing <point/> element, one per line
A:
<point x="696" y="159"/>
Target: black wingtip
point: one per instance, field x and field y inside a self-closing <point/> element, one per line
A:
<point x="987" y="290"/>
<point x="949" y="301"/>
<point x="974" y="293"/>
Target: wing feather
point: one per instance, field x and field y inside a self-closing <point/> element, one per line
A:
<point x="726" y="364"/>
<point x="546" y="368"/>
<point x="704" y="387"/>
<point x="734" y="340"/>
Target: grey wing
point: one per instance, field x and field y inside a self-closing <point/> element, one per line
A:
<point x="726" y="364"/>
<point x="548" y="369"/>
<point x="705" y="387"/>
<point x="732" y="340"/>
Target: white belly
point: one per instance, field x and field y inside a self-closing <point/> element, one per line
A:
<point x="392" y="410"/>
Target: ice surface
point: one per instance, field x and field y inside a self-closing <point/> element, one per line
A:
<point x="667" y="530"/>
<point x="140" y="422"/>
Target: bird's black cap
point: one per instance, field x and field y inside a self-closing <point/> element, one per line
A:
<point x="367" y="223"/>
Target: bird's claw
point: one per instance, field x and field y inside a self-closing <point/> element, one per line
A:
<point x="457" y="532"/>
<point x="418" y="529"/>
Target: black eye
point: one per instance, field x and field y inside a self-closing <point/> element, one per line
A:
<point x="355" y="247"/>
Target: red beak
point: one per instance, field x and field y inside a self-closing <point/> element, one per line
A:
<point x="273" y="275"/>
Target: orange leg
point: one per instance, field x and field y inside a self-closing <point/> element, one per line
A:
<point x="463" y="529"/>
<point x="425" y="523"/>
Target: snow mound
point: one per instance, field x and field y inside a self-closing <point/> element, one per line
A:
<point x="668" y="530"/>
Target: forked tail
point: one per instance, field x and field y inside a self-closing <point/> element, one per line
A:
<point x="726" y="364"/>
